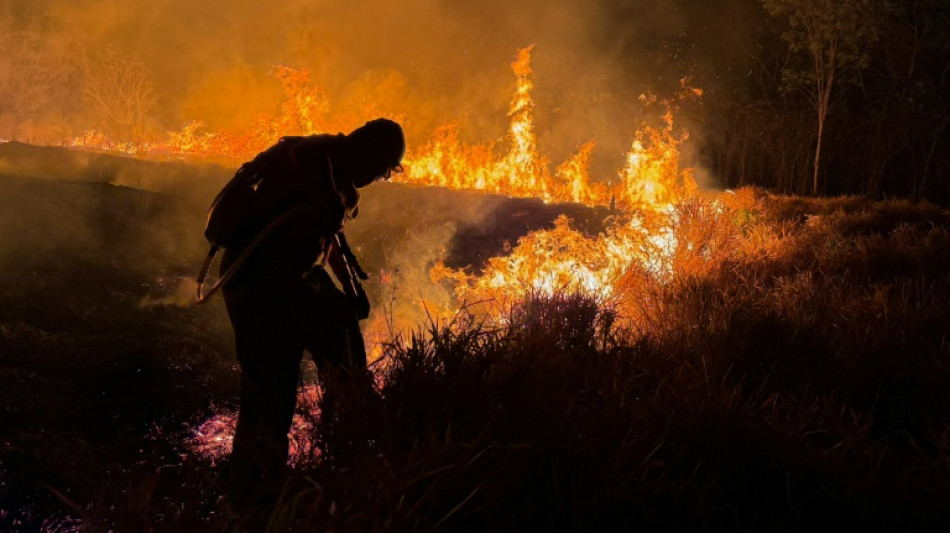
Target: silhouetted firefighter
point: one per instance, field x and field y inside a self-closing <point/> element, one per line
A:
<point x="280" y="221"/>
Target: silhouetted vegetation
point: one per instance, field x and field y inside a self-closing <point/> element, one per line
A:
<point x="867" y="82"/>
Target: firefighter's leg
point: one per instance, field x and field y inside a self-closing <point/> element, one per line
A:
<point x="269" y="354"/>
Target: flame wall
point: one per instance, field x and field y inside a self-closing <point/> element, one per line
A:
<point x="429" y="61"/>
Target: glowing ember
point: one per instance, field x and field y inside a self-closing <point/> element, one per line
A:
<point x="212" y="439"/>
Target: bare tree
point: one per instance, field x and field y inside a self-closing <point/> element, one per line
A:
<point x="36" y="79"/>
<point x="831" y="36"/>
<point x="122" y="92"/>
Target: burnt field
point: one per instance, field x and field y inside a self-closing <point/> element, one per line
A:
<point x="797" y="384"/>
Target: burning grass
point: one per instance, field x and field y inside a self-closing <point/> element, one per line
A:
<point x="796" y="385"/>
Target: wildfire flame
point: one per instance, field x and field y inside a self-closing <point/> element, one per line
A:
<point x="563" y="259"/>
<point x="642" y="194"/>
<point x="521" y="172"/>
<point x="650" y="178"/>
<point x="645" y="198"/>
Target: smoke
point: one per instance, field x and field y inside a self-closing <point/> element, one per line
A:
<point x="426" y="61"/>
<point x="180" y="294"/>
<point x="400" y="234"/>
<point x="405" y="290"/>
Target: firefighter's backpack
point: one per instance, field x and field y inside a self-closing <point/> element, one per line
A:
<point x="240" y="213"/>
<point x="239" y="210"/>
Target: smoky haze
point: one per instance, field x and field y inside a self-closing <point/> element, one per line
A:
<point x="427" y="62"/>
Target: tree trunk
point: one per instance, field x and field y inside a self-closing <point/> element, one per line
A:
<point x="821" y="127"/>
<point x="921" y="191"/>
<point x="824" y="82"/>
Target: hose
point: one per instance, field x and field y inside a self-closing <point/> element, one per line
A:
<point x="200" y="295"/>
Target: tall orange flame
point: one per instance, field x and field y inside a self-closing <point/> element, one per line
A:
<point x="644" y="191"/>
